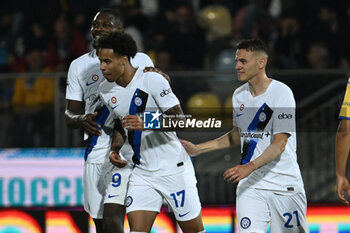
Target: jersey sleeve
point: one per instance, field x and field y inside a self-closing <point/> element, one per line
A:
<point x="234" y="110"/>
<point x="73" y="89"/>
<point x="345" y="108"/>
<point x="284" y="112"/>
<point x="161" y="91"/>
<point x="141" y="60"/>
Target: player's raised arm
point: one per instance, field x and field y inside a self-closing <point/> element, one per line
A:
<point x="229" y="139"/>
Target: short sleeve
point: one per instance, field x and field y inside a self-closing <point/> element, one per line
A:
<point x="141" y="60"/>
<point x="284" y="112"/>
<point x="161" y="91"/>
<point x="73" y="89"/>
<point x="345" y="108"/>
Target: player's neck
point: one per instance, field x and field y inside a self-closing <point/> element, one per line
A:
<point x="127" y="76"/>
<point x="259" y="85"/>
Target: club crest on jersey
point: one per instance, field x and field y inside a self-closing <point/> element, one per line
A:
<point x="262" y="117"/>
<point x="245" y="223"/>
<point x="138" y="101"/>
<point x="94" y="79"/>
<point x="129" y="201"/>
<point x="241" y="107"/>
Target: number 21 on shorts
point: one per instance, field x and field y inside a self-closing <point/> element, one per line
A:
<point x="289" y="219"/>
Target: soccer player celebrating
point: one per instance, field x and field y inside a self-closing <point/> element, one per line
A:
<point x="270" y="188"/>
<point x="104" y="185"/>
<point x="162" y="168"/>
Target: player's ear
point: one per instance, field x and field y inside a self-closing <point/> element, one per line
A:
<point x="262" y="62"/>
<point x="125" y="59"/>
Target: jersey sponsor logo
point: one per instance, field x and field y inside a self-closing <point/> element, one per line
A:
<point x="245" y="222"/>
<point x="241" y="107"/>
<point x="138" y="101"/>
<point x="285" y="116"/>
<point x="151" y="120"/>
<point x="111" y="196"/>
<point x="183" y="215"/>
<point x="165" y="92"/>
<point x="94" y="79"/>
<point x="260" y="135"/>
<point x="129" y="201"/>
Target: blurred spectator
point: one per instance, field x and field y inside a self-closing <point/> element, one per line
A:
<point x="185" y="40"/>
<point x="317" y="56"/>
<point x="344" y="36"/>
<point x="325" y="29"/>
<point x="288" y="43"/>
<point x="32" y="102"/>
<point x="6" y="116"/>
<point x="66" y="43"/>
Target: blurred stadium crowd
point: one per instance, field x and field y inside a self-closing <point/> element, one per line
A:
<point x="179" y="35"/>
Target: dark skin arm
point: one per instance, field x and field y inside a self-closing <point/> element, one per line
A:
<point x="117" y="143"/>
<point x="76" y="118"/>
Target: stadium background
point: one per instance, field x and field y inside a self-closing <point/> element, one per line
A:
<point x="193" y="42"/>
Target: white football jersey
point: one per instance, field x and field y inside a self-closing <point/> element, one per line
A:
<point x="152" y="152"/>
<point x="84" y="78"/>
<point x="258" y="119"/>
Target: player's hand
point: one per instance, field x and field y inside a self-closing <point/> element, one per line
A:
<point x="237" y="173"/>
<point x="116" y="160"/>
<point x="190" y="148"/>
<point x="89" y="125"/>
<point x="132" y="122"/>
<point x="153" y="69"/>
<point x="343" y="186"/>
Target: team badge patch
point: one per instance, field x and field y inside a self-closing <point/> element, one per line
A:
<point x="262" y="117"/>
<point x="241" y="107"/>
<point x="114" y="100"/>
<point x="129" y="201"/>
<point x="138" y="101"/>
<point x="94" y="79"/>
<point x="245" y="223"/>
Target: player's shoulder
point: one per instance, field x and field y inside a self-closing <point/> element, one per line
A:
<point x="153" y="79"/>
<point x="279" y="86"/>
<point x="241" y="89"/>
<point x="141" y="60"/>
<point x="83" y="59"/>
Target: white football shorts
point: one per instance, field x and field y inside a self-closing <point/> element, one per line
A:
<point x="178" y="190"/>
<point x="104" y="183"/>
<point x="283" y="211"/>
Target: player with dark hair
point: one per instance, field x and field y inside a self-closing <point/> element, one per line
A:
<point x="270" y="188"/>
<point x="105" y="186"/>
<point x="161" y="167"/>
